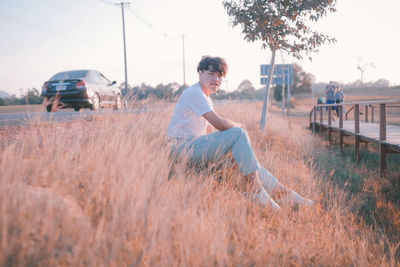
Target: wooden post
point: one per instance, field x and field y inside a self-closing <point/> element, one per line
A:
<point x="382" y="122"/>
<point x="320" y="120"/>
<point x="329" y="124"/>
<point x="341" y="128"/>
<point x="372" y="114"/>
<point x="382" y="137"/>
<point x="315" y="119"/>
<point x="366" y="113"/>
<point x="315" y="114"/>
<point x="357" y="131"/>
<point x="357" y="147"/>
<point x="357" y="118"/>
<point x="329" y="115"/>
<point x="348" y="111"/>
<point x="320" y="115"/>
<point x="382" y="159"/>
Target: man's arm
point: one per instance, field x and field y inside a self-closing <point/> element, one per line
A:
<point x="209" y="128"/>
<point x="219" y="122"/>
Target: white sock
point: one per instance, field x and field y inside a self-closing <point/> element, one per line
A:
<point x="267" y="180"/>
<point x="263" y="198"/>
<point x="296" y="199"/>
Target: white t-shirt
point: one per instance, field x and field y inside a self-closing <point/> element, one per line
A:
<point x="187" y="120"/>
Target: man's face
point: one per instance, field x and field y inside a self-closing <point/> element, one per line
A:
<point x="210" y="80"/>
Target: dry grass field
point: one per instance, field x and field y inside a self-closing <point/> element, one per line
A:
<point x="96" y="193"/>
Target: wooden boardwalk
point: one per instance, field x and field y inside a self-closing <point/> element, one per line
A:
<point x="386" y="136"/>
<point x="369" y="132"/>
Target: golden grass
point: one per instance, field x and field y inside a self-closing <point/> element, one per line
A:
<point x="96" y="193"/>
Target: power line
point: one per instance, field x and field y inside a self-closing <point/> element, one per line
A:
<point x="108" y="2"/>
<point x="174" y="37"/>
<point x="149" y="25"/>
<point x="57" y="33"/>
<point x="154" y="29"/>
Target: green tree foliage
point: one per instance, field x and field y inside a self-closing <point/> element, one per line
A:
<point x="173" y="90"/>
<point x="33" y="96"/>
<point x="30" y="97"/>
<point x="302" y="81"/>
<point x="245" y="90"/>
<point x="161" y="91"/>
<point x="125" y="91"/>
<point x="13" y="100"/>
<point x="278" y="92"/>
<point x="280" y="25"/>
<point x="245" y="85"/>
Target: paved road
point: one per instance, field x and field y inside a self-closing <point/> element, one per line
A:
<point x="26" y="119"/>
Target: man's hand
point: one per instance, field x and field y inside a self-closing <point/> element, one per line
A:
<point x="237" y="124"/>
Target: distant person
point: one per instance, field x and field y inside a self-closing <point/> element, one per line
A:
<point x="339" y="96"/>
<point x="191" y="136"/>
<point x="330" y="94"/>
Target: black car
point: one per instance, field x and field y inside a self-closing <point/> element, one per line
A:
<point x="80" y="89"/>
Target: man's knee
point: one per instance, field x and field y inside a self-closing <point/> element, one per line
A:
<point x="237" y="131"/>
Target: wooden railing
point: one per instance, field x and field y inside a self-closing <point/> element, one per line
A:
<point x="355" y="108"/>
<point x="368" y="105"/>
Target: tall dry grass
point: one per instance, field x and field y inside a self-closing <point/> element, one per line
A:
<point x="96" y="193"/>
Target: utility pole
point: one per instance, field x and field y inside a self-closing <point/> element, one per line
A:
<point x="183" y="55"/>
<point x="123" y="33"/>
<point x="313" y="106"/>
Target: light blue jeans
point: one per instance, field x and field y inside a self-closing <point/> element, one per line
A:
<point x="214" y="147"/>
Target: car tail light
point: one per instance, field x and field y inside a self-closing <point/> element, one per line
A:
<point x="81" y="85"/>
<point x="45" y="87"/>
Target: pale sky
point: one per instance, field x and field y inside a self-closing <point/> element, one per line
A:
<point x="42" y="37"/>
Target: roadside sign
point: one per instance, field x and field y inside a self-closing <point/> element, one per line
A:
<point x="283" y="74"/>
<point x="278" y="80"/>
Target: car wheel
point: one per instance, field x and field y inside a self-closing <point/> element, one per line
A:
<point x="118" y="102"/>
<point x="77" y="108"/>
<point x="48" y="108"/>
<point x="95" y="102"/>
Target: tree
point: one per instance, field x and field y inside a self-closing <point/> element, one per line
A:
<point x="125" y="90"/>
<point x="302" y="81"/>
<point x="382" y="83"/>
<point x="278" y="90"/>
<point x="280" y="25"/>
<point x="245" y="85"/>
<point x="362" y="67"/>
<point x="33" y="96"/>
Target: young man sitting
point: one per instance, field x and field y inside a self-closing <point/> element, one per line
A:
<point x="189" y="132"/>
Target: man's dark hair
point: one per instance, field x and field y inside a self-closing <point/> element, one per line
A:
<point x="214" y="64"/>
